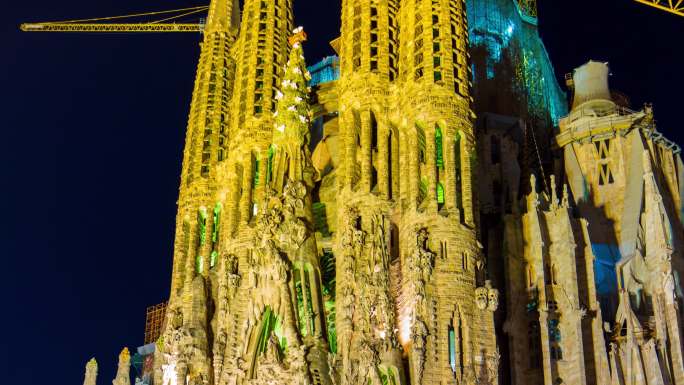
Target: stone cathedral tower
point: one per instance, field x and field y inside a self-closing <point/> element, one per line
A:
<point x="412" y="304"/>
<point x="360" y="262"/>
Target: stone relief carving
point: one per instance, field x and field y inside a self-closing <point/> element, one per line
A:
<point x="487" y="297"/>
<point x="419" y="334"/>
<point x="420" y="266"/>
<point x="481" y="297"/>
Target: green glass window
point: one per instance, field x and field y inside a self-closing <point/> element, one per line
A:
<point x="452" y="348"/>
<point x="217" y="222"/>
<point x="199" y="264"/>
<point x="256" y="171"/>
<point x="270" y="324"/>
<point x="439" y="148"/>
<point x="202" y="222"/>
<point x="440" y="194"/>
<point x="214" y="259"/>
<point x="457" y="162"/>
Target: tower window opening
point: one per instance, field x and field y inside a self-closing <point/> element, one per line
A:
<point x="394" y="242"/>
<point x="440" y="196"/>
<point x="421" y="144"/>
<point x="438" y="76"/>
<point x="457" y="163"/>
<point x="452" y="348"/>
<point x="374" y="131"/>
<point x="269" y="164"/>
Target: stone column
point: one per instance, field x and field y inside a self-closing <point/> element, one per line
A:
<point x="467" y="180"/>
<point x="431" y="163"/>
<point x="319" y="313"/>
<point x="546" y="353"/>
<point x="246" y="198"/>
<point x="349" y="137"/>
<point x="414" y="166"/>
<point x="673" y="328"/>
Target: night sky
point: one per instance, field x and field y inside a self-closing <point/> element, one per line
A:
<point x="90" y="152"/>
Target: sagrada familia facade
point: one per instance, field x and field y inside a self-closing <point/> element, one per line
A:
<point x="415" y="221"/>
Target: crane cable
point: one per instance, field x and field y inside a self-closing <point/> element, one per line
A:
<point x="536" y="150"/>
<point x="192" y="9"/>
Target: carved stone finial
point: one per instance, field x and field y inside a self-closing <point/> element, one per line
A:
<point x="123" y="373"/>
<point x="125" y="355"/>
<point x="91" y="373"/>
<point x="566" y="197"/>
<point x="533" y="197"/>
<point x="554" y="195"/>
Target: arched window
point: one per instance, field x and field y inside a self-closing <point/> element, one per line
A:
<point x="457" y="163"/>
<point x="420" y="134"/>
<point x="439" y="151"/>
<point x="217" y="223"/>
<point x="199" y="264"/>
<point x="255" y="183"/>
<point x="452" y="348"/>
<point x="269" y="164"/>
<point x="374" y="131"/>
<point x="202" y="224"/>
<point x="214" y="259"/>
<point x="393" y="164"/>
<point x="394" y="242"/>
<point x="255" y="170"/>
<point x="440" y="196"/>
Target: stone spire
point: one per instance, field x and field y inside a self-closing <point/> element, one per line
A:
<point x="90" y="373"/>
<point x="292" y="120"/>
<point x="123" y="376"/>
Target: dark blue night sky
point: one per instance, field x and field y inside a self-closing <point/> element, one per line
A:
<point x="90" y="151"/>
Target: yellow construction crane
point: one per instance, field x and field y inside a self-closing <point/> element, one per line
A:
<point x="113" y="24"/>
<point x="672" y="6"/>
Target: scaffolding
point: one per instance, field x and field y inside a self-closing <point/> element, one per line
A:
<point x="154" y="322"/>
<point x="325" y="71"/>
<point x="508" y="51"/>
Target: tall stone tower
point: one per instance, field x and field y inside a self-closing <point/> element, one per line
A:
<point x="409" y="266"/>
<point x="362" y="264"/>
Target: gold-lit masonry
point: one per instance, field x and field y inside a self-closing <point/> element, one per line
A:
<point x="376" y="254"/>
